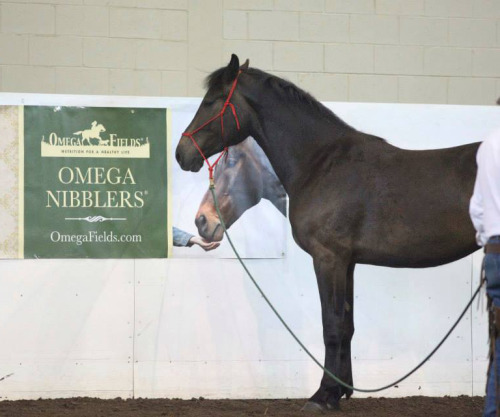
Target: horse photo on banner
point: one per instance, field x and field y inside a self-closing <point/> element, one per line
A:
<point x="252" y="201"/>
<point x="92" y="182"/>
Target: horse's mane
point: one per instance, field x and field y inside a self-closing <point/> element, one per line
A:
<point x="285" y="89"/>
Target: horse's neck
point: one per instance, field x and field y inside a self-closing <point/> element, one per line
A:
<point x="292" y="140"/>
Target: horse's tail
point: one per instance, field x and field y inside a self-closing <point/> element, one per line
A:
<point x="78" y="133"/>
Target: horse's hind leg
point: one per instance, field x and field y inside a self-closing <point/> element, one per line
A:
<point x="334" y="275"/>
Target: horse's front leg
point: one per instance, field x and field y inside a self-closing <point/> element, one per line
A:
<point x="335" y="283"/>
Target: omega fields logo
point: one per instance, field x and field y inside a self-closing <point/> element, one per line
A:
<point x="94" y="142"/>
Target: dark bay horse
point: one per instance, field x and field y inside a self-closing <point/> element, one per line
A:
<point x="353" y="197"/>
<point x="243" y="178"/>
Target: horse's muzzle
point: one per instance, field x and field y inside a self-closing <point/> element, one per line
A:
<point x="188" y="160"/>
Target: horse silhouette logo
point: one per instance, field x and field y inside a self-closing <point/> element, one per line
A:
<point x="93" y="133"/>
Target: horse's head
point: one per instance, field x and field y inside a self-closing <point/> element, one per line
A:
<point x="100" y="128"/>
<point x="239" y="179"/>
<point x="221" y="120"/>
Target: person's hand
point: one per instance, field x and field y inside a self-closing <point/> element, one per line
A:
<point x="204" y="244"/>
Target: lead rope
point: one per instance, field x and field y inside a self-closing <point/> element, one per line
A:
<point x="330" y="374"/>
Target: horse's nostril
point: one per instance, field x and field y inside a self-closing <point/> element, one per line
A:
<point x="201" y="222"/>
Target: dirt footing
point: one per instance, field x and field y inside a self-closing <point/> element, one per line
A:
<point x="366" y="407"/>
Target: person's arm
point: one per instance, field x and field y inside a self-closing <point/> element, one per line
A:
<point x="185" y="239"/>
<point x="181" y="238"/>
<point x="486" y="184"/>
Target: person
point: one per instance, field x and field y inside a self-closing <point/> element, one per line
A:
<point x="484" y="211"/>
<point x="182" y="238"/>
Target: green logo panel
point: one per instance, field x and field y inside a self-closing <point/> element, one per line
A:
<point x="95" y="182"/>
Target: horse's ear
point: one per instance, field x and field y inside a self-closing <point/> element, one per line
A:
<point x="232" y="68"/>
<point x="245" y="65"/>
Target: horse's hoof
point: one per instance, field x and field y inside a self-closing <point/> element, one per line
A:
<point x="333" y="405"/>
<point x="314" y="408"/>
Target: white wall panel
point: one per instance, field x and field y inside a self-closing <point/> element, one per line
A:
<point x="66" y="328"/>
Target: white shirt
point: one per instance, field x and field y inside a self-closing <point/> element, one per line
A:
<point x="484" y="206"/>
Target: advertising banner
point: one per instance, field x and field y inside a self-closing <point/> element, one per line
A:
<point x="99" y="181"/>
<point x="95" y="183"/>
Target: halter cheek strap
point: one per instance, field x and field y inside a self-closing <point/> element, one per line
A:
<point x="227" y="104"/>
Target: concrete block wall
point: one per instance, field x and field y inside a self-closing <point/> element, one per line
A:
<point x="411" y="51"/>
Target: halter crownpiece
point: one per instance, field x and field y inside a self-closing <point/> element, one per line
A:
<point x="227" y="104"/>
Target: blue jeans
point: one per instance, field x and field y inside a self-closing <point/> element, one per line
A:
<point x="492" y="270"/>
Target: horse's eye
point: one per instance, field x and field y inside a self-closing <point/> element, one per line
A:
<point x="231" y="162"/>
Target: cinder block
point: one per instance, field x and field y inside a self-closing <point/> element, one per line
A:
<point x="374" y="29"/>
<point x="316" y="27"/>
<point x="109" y="53"/>
<point x="300" y="5"/>
<point x="14" y="49"/>
<point x="449" y="8"/>
<point x="56" y="50"/>
<point x="473" y="32"/>
<point x="373" y="88"/>
<point x="429" y="90"/>
<point x="28" y="18"/>
<point x="205" y="43"/>
<point x="355" y="58"/>
<point x="49" y="1"/>
<point x="28" y="79"/>
<point x="274" y="26"/>
<point x="82" y="80"/>
<point x="148" y="83"/>
<point x="392" y="59"/>
<point x="161" y="55"/>
<point x="82" y="20"/>
<point x="160" y="4"/>
<point x="400" y="7"/>
<point x="130" y="82"/>
<point x="248" y="4"/>
<point x="151" y="4"/>
<point x="448" y="61"/>
<point x="260" y="53"/>
<point x="325" y="87"/>
<point x="472" y="91"/>
<point x="174" y="83"/>
<point x="350" y="6"/>
<point x="306" y="57"/>
<point x="235" y="24"/>
<point x="423" y="31"/>
<point x="489" y="9"/>
<point x="486" y="62"/>
<point x="148" y="23"/>
<point x="122" y="82"/>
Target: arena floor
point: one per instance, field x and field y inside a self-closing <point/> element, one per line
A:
<point x="372" y="407"/>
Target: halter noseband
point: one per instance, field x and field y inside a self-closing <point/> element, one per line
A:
<point x="227" y="104"/>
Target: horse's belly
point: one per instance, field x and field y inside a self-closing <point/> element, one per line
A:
<point x="416" y="254"/>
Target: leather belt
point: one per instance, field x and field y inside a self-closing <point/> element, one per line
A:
<point x="492" y="248"/>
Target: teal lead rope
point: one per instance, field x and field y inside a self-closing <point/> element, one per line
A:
<point x="330" y="374"/>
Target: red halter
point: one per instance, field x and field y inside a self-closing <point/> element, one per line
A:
<point x="227" y="104"/>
